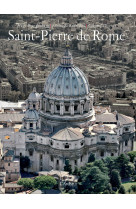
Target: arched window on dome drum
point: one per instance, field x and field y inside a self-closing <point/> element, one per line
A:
<point x="31" y="125"/>
<point x="75" y="107"/>
<point x="66" y="108"/>
<point x="58" y="107"/>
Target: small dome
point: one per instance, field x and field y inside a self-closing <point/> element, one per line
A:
<point x="31" y="114"/>
<point x="34" y="95"/>
<point x="67" y="79"/>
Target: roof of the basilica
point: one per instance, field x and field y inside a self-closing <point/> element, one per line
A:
<point x="112" y="118"/>
<point x="66" y="79"/>
<point x="68" y="134"/>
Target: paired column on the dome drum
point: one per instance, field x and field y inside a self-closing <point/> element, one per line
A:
<point x="30" y="105"/>
<point x="27" y="125"/>
<point x="61" y="108"/>
<point x="88" y="104"/>
<point x="91" y="100"/>
<point x="34" y="125"/>
<point x="72" y="108"/>
<point x="39" y="124"/>
<point x="45" y="104"/>
<point x="52" y="106"/>
<point x="40" y="104"/>
<point x="81" y="107"/>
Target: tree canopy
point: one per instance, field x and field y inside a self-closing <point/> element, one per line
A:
<point x="92" y="181"/>
<point x="44" y="182"/>
<point x="115" y="179"/>
<point x="26" y="182"/>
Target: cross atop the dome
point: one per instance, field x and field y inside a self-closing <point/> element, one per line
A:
<point x="67" y="52"/>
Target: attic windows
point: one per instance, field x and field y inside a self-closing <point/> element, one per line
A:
<point x="82" y="143"/>
<point x="126" y="128"/>
<point x="66" y="146"/>
<point x="51" y="143"/>
<point x="102" y="138"/>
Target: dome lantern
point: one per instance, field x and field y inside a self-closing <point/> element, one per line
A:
<point x="66" y="59"/>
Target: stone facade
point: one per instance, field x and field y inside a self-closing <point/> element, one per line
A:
<point x="61" y="124"/>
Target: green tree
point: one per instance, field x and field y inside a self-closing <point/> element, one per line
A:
<point x="44" y="182"/>
<point x="132" y="156"/>
<point x="24" y="162"/>
<point x="91" y="158"/>
<point x="133" y="188"/>
<point x="76" y="171"/>
<point x="115" y="179"/>
<point x="121" y="190"/>
<point x="67" y="166"/>
<point x="125" y="167"/>
<point x="26" y="182"/>
<point x="134" y="178"/>
<point x="92" y="181"/>
<point x="110" y="164"/>
<point x="101" y="165"/>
